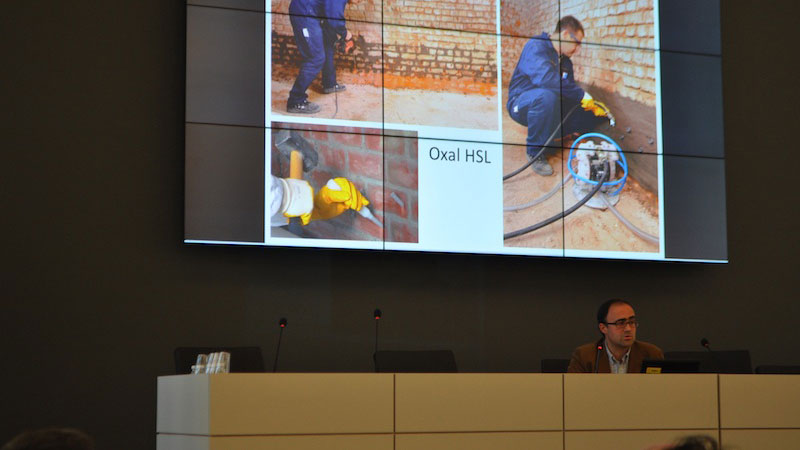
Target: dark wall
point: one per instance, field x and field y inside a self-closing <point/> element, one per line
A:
<point x="97" y="288"/>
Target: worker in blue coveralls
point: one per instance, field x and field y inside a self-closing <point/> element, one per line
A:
<point x="317" y="26"/>
<point x="544" y="83"/>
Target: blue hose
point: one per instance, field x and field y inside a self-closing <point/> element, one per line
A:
<point x="622" y="162"/>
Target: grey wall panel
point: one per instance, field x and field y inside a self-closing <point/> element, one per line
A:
<point x="224" y="66"/>
<point x="224" y="183"/>
<point x="692" y="105"/>
<point x="694" y="208"/>
<point x="691" y="26"/>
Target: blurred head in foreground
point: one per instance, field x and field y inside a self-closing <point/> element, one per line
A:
<point x="51" y="439"/>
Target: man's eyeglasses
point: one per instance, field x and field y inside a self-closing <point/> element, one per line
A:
<point x="575" y="38"/>
<point x="622" y="323"/>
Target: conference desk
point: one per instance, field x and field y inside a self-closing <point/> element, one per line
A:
<point x="474" y="411"/>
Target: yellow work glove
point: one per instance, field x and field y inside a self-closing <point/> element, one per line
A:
<point x="336" y="197"/>
<point x="598" y="108"/>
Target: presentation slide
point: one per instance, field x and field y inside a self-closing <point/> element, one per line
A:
<point x="572" y="128"/>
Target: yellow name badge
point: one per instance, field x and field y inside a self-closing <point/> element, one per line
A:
<point x="653" y="370"/>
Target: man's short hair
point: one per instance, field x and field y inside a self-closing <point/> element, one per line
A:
<point x="569" y="23"/>
<point x="51" y="439"/>
<point x="602" y="312"/>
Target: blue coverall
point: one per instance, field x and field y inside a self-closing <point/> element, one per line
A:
<point x="317" y="25"/>
<point x="540" y="88"/>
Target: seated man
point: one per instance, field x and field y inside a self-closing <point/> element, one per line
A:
<point x="617" y="351"/>
<point x="543" y="88"/>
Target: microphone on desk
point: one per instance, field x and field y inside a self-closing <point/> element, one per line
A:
<point x="597" y="356"/>
<point x="377" y="314"/>
<point x="713" y="363"/>
<point x="281" y="323"/>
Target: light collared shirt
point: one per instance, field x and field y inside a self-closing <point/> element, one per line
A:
<point x="618" y="366"/>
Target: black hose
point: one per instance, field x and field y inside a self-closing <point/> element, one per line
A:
<point x="541" y="150"/>
<point x="572" y="209"/>
<point x="336" y="101"/>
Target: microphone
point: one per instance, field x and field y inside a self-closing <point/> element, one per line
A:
<point x="282" y="324"/>
<point x="377" y="314"/>
<point x="713" y="364"/>
<point x="597" y="356"/>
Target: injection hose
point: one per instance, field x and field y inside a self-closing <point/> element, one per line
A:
<point x="518" y="171"/>
<point x="335" y="101"/>
<point x="541" y="199"/>
<point x="637" y="231"/>
<point x="572" y="209"/>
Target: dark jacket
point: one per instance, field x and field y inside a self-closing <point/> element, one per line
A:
<point x="583" y="357"/>
<point x="331" y="12"/>
<point x="539" y="68"/>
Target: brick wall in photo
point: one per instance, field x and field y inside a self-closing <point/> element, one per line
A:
<point x="443" y="45"/>
<point x="348" y="152"/>
<point x="400" y="199"/>
<point x="629" y="24"/>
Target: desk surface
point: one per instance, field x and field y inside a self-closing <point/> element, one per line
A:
<point x="465" y="411"/>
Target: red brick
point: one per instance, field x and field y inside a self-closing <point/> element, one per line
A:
<point x="319" y="136"/>
<point x="373" y="142"/>
<point x="354" y="140"/>
<point x="366" y="225"/>
<point x="402" y="233"/>
<point x="394" y="146"/>
<point x="333" y="158"/>
<point x="375" y="196"/>
<point x="392" y="206"/>
<point x="402" y="173"/>
<point x="366" y="164"/>
<point x="318" y="178"/>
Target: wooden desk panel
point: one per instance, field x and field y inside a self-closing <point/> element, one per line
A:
<point x="761" y="439"/>
<point x="640" y="401"/>
<point x="346" y="442"/>
<point x="759" y="401"/>
<point x="478" y="402"/>
<point x="625" y="440"/>
<point x="264" y="404"/>
<point x="539" y="440"/>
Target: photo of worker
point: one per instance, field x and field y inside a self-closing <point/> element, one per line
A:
<point x="328" y="182"/>
<point x="618" y="23"/>
<point x="578" y="108"/>
<point x="326" y="59"/>
<point x="441" y="78"/>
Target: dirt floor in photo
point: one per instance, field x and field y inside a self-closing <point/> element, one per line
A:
<point x="407" y="106"/>
<point x="586" y="228"/>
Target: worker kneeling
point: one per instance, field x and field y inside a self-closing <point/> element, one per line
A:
<point x="295" y="198"/>
<point x="543" y="83"/>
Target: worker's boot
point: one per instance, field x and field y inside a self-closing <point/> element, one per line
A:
<point x="541" y="166"/>
<point x="304" y="107"/>
<point x="335" y="88"/>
